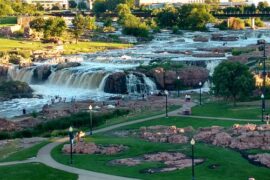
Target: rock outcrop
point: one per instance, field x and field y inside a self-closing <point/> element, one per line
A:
<point x="67" y="65"/>
<point x="263" y="159"/>
<point x="116" y="83"/>
<point x="15" y="89"/>
<point x="220" y="37"/>
<point x="189" y="77"/>
<point x="164" y="134"/>
<point x="91" y="148"/>
<point x="41" y="73"/>
<point x="172" y="161"/>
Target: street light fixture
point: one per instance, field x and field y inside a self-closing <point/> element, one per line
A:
<point x="263" y="48"/>
<point x="178" y="84"/>
<point x="91" y="120"/>
<point x="200" y="84"/>
<point x="166" y="94"/>
<point x="263" y="106"/>
<point x="192" y="142"/>
<point x="71" y="142"/>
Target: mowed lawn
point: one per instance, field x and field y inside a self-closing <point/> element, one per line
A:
<point x="8" y="21"/>
<point x="34" y="171"/>
<point x="81" y="47"/>
<point x="12" y="152"/>
<point x="231" y="164"/>
<point x="222" y="109"/>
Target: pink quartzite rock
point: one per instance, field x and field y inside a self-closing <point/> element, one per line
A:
<point x="91" y="148"/>
<point x="261" y="158"/>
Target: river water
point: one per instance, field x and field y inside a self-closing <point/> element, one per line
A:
<point x="87" y="81"/>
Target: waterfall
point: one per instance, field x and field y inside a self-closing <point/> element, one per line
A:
<point x="139" y="84"/>
<point x="102" y="84"/>
<point x="24" y="74"/>
<point x="77" y="78"/>
<point x="150" y="84"/>
<point x="211" y="65"/>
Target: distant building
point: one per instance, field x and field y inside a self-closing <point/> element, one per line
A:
<point x="89" y="3"/>
<point x="48" y="4"/>
<point x="151" y="2"/>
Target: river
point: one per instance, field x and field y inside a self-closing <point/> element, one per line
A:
<point x="87" y="81"/>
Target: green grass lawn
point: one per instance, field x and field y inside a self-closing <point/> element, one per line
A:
<point x="221" y="109"/>
<point x="135" y="116"/>
<point x="34" y="171"/>
<point x="18" y="155"/>
<point x="91" y="47"/>
<point x="232" y="165"/>
<point x="8" y="21"/>
<point x="81" y="47"/>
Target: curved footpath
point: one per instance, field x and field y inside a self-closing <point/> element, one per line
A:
<point x="44" y="154"/>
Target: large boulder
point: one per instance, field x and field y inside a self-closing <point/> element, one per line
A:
<point x="190" y="77"/>
<point x="15" y="89"/>
<point x="263" y="159"/>
<point x="41" y="73"/>
<point x="67" y="65"/>
<point x="222" y="139"/>
<point x="116" y="83"/>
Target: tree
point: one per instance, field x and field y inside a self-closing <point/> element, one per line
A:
<point x="79" y="25"/>
<point x="262" y="6"/>
<point x="72" y="4"/>
<point x="167" y="17"/>
<point x="5" y="9"/>
<point x="90" y="23"/>
<point x="133" y="25"/>
<point x="233" y="80"/>
<point x="82" y="6"/>
<point x="198" y="19"/>
<point x="54" y="27"/>
<point x="123" y="10"/>
<point x="38" y="24"/>
<point x="99" y="6"/>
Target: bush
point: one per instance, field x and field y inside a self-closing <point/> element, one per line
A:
<point x="4" y="135"/>
<point x="18" y="33"/>
<point x="222" y="25"/>
<point x="237" y="24"/>
<point x="259" y="22"/>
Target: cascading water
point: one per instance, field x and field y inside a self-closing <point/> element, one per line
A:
<point x="77" y="79"/>
<point x="23" y="74"/>
<point x="139" y="84"/>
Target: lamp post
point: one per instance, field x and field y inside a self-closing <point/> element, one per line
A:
<point x="192" y="142"/>
<point x="90" y="113"/>
<point x="263" y="48"/>
<point x="71" y="142"/>
<point x="178" y="84"/>
<point x="166" y="94"/>
<point x="200" y="84"/>
<point x="263" y="106"/>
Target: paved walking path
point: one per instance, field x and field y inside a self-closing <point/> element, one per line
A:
<point x="44" y="155"/>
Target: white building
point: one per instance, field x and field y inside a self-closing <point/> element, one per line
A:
<point x="48" y="4"/>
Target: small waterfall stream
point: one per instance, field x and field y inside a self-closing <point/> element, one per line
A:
<point x="24" y="74"/>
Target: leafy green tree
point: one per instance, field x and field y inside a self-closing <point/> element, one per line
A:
<point x="79" y="25"/>
<point x="72" y="4"/>
<point x="54" y="27"/>
<point x="82" y="6"/>
<point x="90" y="23"/>
<point x="38" y="24"/>
<point x="167" y="17"/>
<point x="133" y="25"/>
<point x="99" y="6"/>
<point x="198" y="19"/>
<point x="262" y="6"/>
<point x="233" y="80"/>
<point x="5" y="9"/>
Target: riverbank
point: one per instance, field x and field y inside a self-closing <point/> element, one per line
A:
<point x="80" y="47"/>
